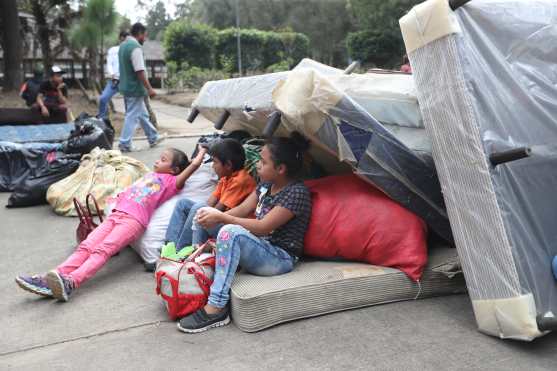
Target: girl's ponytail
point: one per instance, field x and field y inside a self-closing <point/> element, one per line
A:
<point x="289" y="152"/>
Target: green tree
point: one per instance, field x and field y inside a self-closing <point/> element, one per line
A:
<point x="157" y="20"/>
<point x="97" y="26"/>
<point x="378" y="41"/>
<point x="325" y="23"/>
<point x="193" y="44"/>
<point x="53" y="18"/>
<point x="11" y="45"/>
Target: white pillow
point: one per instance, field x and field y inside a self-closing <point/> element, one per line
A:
<point x="198" y="188"/>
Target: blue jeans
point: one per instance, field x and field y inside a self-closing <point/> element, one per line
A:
<point x="237" y="246"/>
<point x="136" y="111"/>
<point x="180" y="229"/>
<point x="110" y="90"/>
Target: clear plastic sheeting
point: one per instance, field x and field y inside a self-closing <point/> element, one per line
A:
<point x="312" y="99"/>
<point x="389" y="97"/>
<point x="485" y="90"/>
<point x="311" y="103"/>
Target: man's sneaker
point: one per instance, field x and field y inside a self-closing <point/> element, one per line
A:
<point x="159" y="139"/>
<point x="201" y="321"/>
<point x="62" y="287"/>
<point x="35" y="284"/>
<point x="125" y="149"/>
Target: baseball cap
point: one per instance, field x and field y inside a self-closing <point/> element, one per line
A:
<point x="56" y="69"/>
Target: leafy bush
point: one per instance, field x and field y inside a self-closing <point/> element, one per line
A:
<point x="190" y="43"/>
<point x="284" y="65"/>
<point x="261" y="49"/>
<point x="294" y="45"/>
<point x="374" y="47"/>
<point x="187" y="77"/>
<point x="207" y="48"/>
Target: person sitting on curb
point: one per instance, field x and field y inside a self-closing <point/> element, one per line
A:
<point x="30" y="89"/>
<point x="235" y="184"/>
<point x="52" y="100"/>
<point x="113" y="77"/>
<point x="134" y="85"/>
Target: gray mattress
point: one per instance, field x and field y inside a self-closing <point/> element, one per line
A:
<point x="319" y="287"/>
<point x="487" y="87"/>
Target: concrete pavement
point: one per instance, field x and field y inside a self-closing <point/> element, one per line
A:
<point x="171" y="118"/>
<point x="115" y="321"/>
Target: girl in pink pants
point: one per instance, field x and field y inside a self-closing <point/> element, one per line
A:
<point x="131" y="215"/>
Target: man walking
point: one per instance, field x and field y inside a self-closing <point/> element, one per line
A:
<point x="134" y="86"/>
<point x="113" y="77"/>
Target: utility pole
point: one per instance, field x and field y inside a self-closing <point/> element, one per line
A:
<point x="238" y="42"/>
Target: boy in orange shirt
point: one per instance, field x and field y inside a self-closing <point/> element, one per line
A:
<point x="234" y="185"/>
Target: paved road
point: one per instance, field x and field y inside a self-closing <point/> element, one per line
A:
<point x="172" y="118"/>
<point x="115" y="321"/>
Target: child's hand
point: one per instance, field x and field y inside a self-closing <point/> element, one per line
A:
<point x="209" y="217"/>
<point x="201" y="151"/>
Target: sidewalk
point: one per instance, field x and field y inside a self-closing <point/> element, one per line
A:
<point x="172" y="119"/>
<point x="116" y="321"/>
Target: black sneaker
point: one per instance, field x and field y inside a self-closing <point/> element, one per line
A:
<point x="160" y="138"/>
<point x="150" y="267"/>
<point x="61" y="286"/>
<point x="35" y="284"/>
<point x="201" y="321"/>
<point x="125" y="149"/>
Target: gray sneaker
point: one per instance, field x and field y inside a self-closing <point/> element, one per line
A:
<point x="124" y="149"/>
<point x="157" y="141"/>
<point x="62" y="287"/>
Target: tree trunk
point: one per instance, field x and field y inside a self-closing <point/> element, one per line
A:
<point x="93" y="68"/>
<point x="42" y="33"/>
<point x="12" y="45"/>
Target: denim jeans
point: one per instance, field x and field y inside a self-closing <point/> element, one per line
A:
<point x="110" y="90"/>
<point x="237" y="246"/>
<point x="180" y="229"/>
<point x="136" y="111"/>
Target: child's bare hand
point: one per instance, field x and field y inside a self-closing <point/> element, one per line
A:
<point x="198" y="160"/>
<point x="209" y="217"/>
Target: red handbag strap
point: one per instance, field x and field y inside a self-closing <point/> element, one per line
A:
<point x="82" y="213"/>
<point x="197" y="252"/>
<point x="97" y="209"/>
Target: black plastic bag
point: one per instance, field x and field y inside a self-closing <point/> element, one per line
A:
<point x="89" y="132"/>
<point x="16" y="164"/>
<point x="32" y="189"/>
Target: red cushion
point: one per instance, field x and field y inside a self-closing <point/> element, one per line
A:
<point x="351" y="219"/>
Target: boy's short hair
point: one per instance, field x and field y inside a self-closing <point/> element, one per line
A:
<point x="179" y="159"/>
<point x="226" y="150"/>
<point x="137" y="29"/>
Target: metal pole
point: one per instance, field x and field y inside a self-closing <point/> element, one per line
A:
<point x="239" y="44"/>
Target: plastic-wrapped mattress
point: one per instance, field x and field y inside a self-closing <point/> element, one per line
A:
<point x="486" y="80"/>
<point x="315" y="288"/>
<point x="311" y="100"/>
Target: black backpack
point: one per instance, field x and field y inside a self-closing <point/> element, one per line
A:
<point x="30" y="90"/>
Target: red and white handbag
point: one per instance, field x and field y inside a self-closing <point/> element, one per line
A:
<point x="184" y="285"/>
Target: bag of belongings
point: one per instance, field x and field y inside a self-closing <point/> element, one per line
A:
<point x="49" y="168"/>
<point x="89" y="132"/>
<point x="103" y="173"/>
<point x="184" y="284"/>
